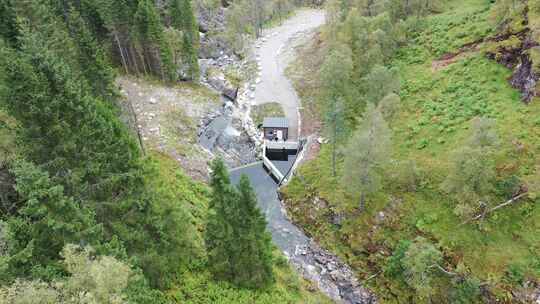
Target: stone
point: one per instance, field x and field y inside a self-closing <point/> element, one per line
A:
<point x="230" y="92"/>
<point x="218" y="82"/>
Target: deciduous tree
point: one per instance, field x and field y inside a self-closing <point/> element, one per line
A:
<point x="336" y="73"/>
<point x="471" y="176"/>
<point x="91" y="280"/>
<point x="366" y="154"/>
<point x="381" y="82"/>
<point x="389" y="106"/>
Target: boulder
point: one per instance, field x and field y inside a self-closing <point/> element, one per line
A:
<point x="230" y="92"/>
<point x="217" y="81"/>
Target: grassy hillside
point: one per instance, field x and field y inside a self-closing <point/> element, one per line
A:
<point x="439" y="100"/>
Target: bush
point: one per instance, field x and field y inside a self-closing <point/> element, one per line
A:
<point x="515" y="274"/>
<point x="466" y="291"/>
<point x="394" y="264"/>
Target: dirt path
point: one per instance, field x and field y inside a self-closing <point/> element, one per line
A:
<point x="273" y="53"/>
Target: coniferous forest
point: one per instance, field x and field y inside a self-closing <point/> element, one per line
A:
<point x="421" y="172"/>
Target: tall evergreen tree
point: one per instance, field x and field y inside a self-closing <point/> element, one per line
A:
<point x="155" y="52"/>
<point x="117" y="17"/>
<point x="94" y="64"/>
<point x="46" y="221"/>
<point x="8" y="24"/>
<point x="183" y="19"/>
<point x="63" y="126"/>
<point x="220" y="234"/>
<point x="254" y="267"/>
<point x="239" y="247"/>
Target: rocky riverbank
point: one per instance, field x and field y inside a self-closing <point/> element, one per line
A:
<point x="333" y="277"/>
<point x="230" y="131"/>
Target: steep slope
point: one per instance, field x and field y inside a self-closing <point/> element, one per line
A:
<point x="494" y="258"/>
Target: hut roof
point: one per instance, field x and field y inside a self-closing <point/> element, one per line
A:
<point x="275" y="122"/>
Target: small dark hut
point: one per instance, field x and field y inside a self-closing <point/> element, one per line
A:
<point x="276" y="128"/>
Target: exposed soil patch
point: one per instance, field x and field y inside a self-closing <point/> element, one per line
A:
<point x="168" y="118"/>
<point x="449" y="59"/>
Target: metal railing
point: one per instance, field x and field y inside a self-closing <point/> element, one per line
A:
<point x="273" y="170"/>
<point x="280" y="145"/>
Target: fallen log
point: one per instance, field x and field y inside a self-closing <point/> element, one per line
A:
<point x="483" y="214"/>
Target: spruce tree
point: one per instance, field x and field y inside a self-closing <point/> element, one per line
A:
<point x="183" y="19"/>
<point x="220" y="234"/>
<point x="151" y="39"/>
<point x="46" y="220"/>
<point x="61" y="123"/>
<point x="93" y="62"/>
<point x="8" y="24"/>
<point x="239" y="247"/>
<point x="254" y="268"/>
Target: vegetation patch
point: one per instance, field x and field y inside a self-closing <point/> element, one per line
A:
<point x="270" y="109"/>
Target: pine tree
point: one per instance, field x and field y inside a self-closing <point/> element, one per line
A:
<point x="183" y="19"/>
<point x="239" y="247"/>
<point x="254" y="265"/>
<point x="155" y="52"/>
<point x="220" y="234"/>
<point x="93" y="62"/>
